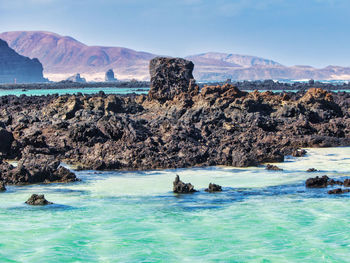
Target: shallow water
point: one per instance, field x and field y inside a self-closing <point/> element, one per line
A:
<point x="39" y="92"/>
<point x="261" y="216"/>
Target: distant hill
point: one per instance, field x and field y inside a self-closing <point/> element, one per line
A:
<point x="17" y="68"/>
<point x="63" y="56"/>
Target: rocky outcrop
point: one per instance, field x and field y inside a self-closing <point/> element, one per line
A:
<point x="6" y="139"/>
<point x="273" y="167"/>
<point x="37" y="200"/>
<point x="15" y="68"/>
<point x="77" y="78"/>
<point x="170" y="77"/>
<point x="109" y="76"/>
<point x="338" y="191"/>
<point x="213" y="188"/>
<point x="321" y="182"/>
<point x="181" y="187"/>
<point x="2" y="187"/>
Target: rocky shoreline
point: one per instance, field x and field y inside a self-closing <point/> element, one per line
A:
<point x="178" y="124"/>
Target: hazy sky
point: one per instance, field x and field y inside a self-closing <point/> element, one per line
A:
<point x="292" y="32"/>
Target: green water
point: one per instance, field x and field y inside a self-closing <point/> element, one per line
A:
<point x="38" y="92"/>
<point x="261" y="216"/>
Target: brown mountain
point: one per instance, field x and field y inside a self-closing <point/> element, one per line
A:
<point x="64" y="56"/>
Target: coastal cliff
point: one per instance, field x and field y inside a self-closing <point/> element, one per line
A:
<point x="175" y="125"/>
<point x="17" y="68"/>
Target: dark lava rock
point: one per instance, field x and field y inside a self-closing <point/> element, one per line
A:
<point x="273" y="167"/>
<point x="347" y="182"/>
<point x="338" y="191"/>
<point x="311" y="170"/>
<point x="2" y="187"/>
<point x="169" y="77"/>
<point x="317" y="182"/>
<point x="181" y="187"/>
<point x="6" y="139"/>
<point x="38" y="200"/>
<point x="299" y="153"/>
<point x="213" y="188"/>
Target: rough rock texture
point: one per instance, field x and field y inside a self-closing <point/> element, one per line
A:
<point x="6" y="139"/>
<point x="17" y="68"/>
<point x="217" y="125"/>
<point x="213" y="188"/>
<point x="109" y="77"/>
<point x="170" y="77"/>
<point x="35" y="168"/>
<point x="321" y="182"/>
<point x="338" y="191"/>
<point x="2" y="187"/>
<point x="181" y="187"/>
<point x="273" y="167"/>
<point x="37" y="200"/>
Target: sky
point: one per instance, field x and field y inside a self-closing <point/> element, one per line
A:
<point x="291" y="32"/>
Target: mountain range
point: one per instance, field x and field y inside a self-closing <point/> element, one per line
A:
<point x="63" y="56"/>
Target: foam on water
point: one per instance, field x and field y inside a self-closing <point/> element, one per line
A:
<point x="261" y="216"/>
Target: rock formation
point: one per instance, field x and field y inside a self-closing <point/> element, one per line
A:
<point x="338" y="191"/>
<point x="15" y="68"/>
<point x="2" y="187"/>
<point x="213" y="188"/>
<point x="273" y="167"/>
<point x="109" y="77"/>
<point x="181" y="187"/>
<point x="37" y="200"/>
<point x="77" y="78"/>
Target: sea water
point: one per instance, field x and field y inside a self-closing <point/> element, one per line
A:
<point x="261" y="216"/>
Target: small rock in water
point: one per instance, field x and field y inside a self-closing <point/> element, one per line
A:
<point x="181" y="187"/>
<point x="338" y="191"/>
<point x="347" y="182"/>
<point x="311" y="170"/>
<point x="299" y="153"/>
<point x="317" y="182"/>
<point x="213" y="188"/>
<point x="2" y="187"/>
<point x="273" y="167"/>
<point x="38" y="200"/>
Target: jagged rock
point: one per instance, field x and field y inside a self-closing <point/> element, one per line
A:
<point x="109" y="77"/>
<point x="299" y="153"/>
<point x="6" y="139"/>
<point x="181" y="187"/>
<point x="170" y="77"/>
<point x="317" y="182"/>
<point x="213" y="188"/>
<point x="273" y="167"/>
<point x="338" y="191"/>
<point x="2" y="187"/>
<point x="77" y="78"/>
<point x="17" y="68"/>
<point x="37" y="200"/>
<point x="311" y="170"/>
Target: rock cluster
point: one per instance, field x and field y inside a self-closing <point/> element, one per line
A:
<point x="37" y="200"/>
<point x="2" y="187"/>
<point x="325" y="181"/>
<point x="17" y="68"/>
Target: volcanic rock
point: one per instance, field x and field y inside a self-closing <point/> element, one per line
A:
<point x="2" y="187"/>
<point x="338" y="191"/>
<point x="170" y="77"/>
<point x="273" y="167"/>
<point x="299" y="153"/>
<point x="213" y="188"/>
<point x="37" y="200"/>
<point x="181" y="187"/>
<point x="6" y="139"/>
<point x="317" y="182"/>
<point x="109" y="77"/>
<point x="311" y="170"/>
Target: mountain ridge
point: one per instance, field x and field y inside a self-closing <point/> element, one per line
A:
<point x="64" y="56"/>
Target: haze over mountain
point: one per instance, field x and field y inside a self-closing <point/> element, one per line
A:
<point x="64" y="56"/>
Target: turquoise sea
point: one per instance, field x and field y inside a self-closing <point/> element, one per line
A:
<point x="261" y="216"/>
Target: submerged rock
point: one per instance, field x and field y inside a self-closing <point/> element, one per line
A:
<point x="299" y="153"/>
<point x="338" y="191"/>
<point x="38" y="200"/>
<point x="273" y="167"/>
<point x="2" y="187"/>
<point x="311" y="170"/>
<point x="347" y="182"/>
<point x="213" y="188"/>
<point x="181" y="187"/>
